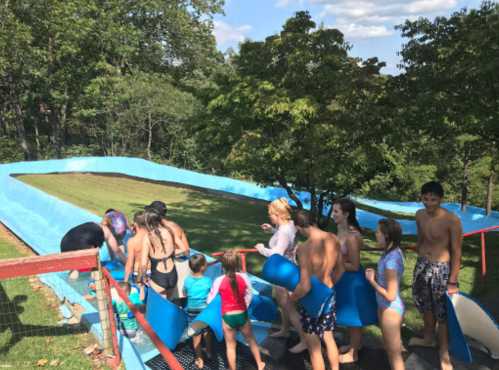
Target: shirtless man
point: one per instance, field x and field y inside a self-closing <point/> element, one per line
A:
<point x="317" y="256"/>
<point x="437" y="268"/>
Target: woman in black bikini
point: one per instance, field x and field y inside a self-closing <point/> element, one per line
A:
<point x="159" y="250"/>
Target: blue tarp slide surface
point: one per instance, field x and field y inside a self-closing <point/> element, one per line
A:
<point x="41" y="220"/>
<point x="473" y="218"/>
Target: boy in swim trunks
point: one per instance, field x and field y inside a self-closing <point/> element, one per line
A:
<point x="437" y="267"/>
<point x="317" y="256"/>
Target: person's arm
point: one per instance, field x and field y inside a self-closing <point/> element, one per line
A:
<point x="419" y="240"/>
<point x="130" y="259"/>
<point x="392" y="285"/>
<point x="184" y="242"/>
<point x="352" y="262"/>
<point x="112" y="245"/>
<point x="248" y="296"/>
<point x="144" y="257"/>
<point x="304" y="284"/>
<point x="214" y="289"/>
<point x="456" y="240"/>
<point x="280" y="247"/>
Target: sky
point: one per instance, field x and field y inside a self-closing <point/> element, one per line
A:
<point x="368" y="25"/>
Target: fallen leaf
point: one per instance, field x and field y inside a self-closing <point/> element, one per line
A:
<point x="90" y="349"/>
<point x="42" y="362"/>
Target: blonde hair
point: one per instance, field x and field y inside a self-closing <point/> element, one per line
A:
<point x="280" y="207"/>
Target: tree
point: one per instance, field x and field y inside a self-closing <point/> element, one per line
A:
<point x="450" y="71"/>
<point x="295" y="113"/>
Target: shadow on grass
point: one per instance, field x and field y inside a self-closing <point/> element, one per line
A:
<point x="9" y="320"/>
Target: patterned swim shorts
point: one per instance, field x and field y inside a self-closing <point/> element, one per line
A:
<point x="429" y="287"/>
<point x="325" y="322"/>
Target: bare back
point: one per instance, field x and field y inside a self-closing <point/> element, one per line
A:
<point x="179" y="237"/>
<point x="319" y="255"/>
<point x="135" y="245"/>
<point x="155" y="248"/>
<point x="435" y="234"/>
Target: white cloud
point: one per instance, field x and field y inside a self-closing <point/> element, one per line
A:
<point x="376" y="18"/>
<point x="358" y="31"/>
<point x="285" y="3"/>
<point x="226" y="33"/>
<point x="384" y="10"/>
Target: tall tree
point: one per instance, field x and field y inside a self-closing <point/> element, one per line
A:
<point x="294" y="113"/>
<point x="451" y="66"/>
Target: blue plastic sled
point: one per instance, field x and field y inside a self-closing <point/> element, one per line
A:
<point x="212" y="316"/>
<point x="355" y="300"/>
<point x="261" y="309"/>
<point x="116" y="269"/>
<point x="280" y="271"/>
<point x="166" y="318"/>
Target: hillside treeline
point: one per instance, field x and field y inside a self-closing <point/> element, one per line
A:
<point x="144" y="78"/>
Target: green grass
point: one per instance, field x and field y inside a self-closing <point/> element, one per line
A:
<point x="214" y="222"/>
<point x="29" y="329"/>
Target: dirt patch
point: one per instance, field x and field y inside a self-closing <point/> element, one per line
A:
<point x="21" y="247"/>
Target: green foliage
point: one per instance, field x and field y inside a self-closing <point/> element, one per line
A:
<point x="9" y="151"/>
<point x="290" y="112"/>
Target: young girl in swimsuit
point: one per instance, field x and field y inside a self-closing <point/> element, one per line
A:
<point x="158" y="249"/>
<point x="235" y="291"/>
<point x="344" y="215"/>
<point x="386" y="282"/>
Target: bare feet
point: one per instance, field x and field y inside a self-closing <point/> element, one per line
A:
<point x="350" y="356"/>
<point x="199" y="362"/>
<point x="280" y="334"/>
<point x="300" y="347"/>
<point x="421" y="342"/>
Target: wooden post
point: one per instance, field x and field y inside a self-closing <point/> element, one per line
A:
<point x="102" y="305"/>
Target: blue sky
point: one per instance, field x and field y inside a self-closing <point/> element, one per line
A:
<point x="368" y="25"/>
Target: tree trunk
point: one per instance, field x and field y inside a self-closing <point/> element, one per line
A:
<point x="149" y="136"/>
<point x="282" y="181"/>
<point x="56" y="133"/>
<point x="37" y="139"/>
<point x="464" y="186"/>
<point x="21" y="133"/>
<point x="314" y="216"/>
<point x="490" y="191"/>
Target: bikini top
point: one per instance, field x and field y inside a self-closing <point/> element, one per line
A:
<point x="155" y="261"/>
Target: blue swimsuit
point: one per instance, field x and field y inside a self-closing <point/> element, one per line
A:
<point x="394" y="260"/>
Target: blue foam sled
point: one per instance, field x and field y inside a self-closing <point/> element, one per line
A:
<point x="355" y="300"/>
<point x="212" y="316"/>
<point x="458" y="348"/>
<point x="262" y="308"/>
<point x="280" y="271"/>
<point x="116" y="269"/>
<point x="166" y="318"/>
